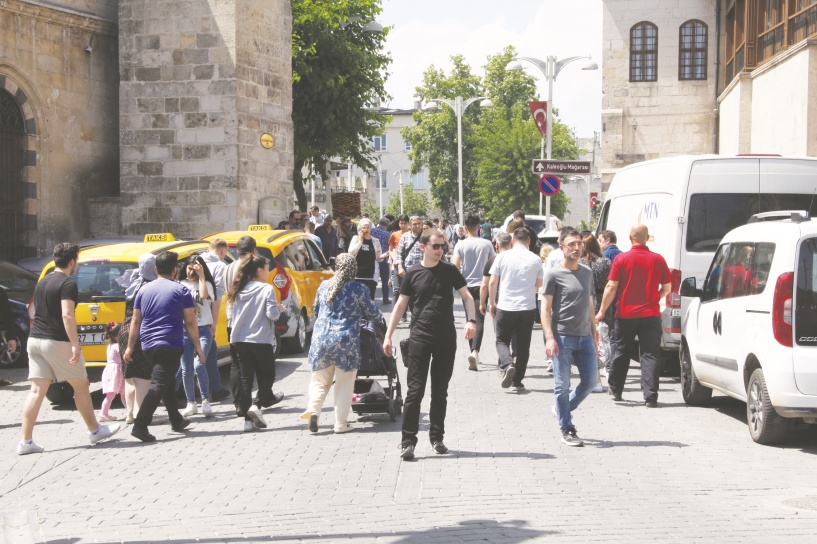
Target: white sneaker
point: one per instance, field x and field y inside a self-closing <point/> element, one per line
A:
<point x="554" y="411"/>
<point x="345" y="428"/>
<point x="249" y="426"/>
<point x="192" y="409"/>
<point x="473" y="360"/>
<point x="599" y="388"/>
<point x="206" y="409"/>
<point x="258" y="418"/>
<point x="102" y="432"/>
<point x="31" y="447"/>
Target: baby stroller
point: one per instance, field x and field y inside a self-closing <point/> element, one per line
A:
<point x="370" y="397"/>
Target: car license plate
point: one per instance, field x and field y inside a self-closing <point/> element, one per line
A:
<point x="676" y="312"/>
<point x="91" y="335"/>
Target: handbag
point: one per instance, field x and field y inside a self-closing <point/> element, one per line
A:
<point x="404" y="349"/>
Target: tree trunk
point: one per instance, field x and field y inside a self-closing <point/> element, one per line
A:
<point x="298" y="184"/>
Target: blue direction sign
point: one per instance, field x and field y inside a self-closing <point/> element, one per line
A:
<point x="549" y="185"/>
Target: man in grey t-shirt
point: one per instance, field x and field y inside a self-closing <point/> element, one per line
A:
<point x="470" y="256"/>
<point x="569" y="324"/>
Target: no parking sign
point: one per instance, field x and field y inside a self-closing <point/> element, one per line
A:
<point x="549" y="185"/>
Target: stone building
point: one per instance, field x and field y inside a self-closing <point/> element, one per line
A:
<point x="134" y="116"/>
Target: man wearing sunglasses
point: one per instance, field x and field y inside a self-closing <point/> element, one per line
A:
<point x="429" y="285"/>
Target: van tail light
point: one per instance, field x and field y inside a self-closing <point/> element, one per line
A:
<point x="281" y="280"/>
<point x="31" y="309"/>
<point x="674" y="296"/>
<point x="781" y="309"/>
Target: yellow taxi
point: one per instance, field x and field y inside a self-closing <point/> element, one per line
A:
<point x="297" y="268"/>
<point x="102" y="300"/>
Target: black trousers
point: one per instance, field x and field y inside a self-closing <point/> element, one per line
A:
<point x="384" y="279"/>
<point x="370" y="284"/>
<point x="437" y="358"/>
<point x="648" y="330"/>
<point x="519" y="325"/>
<point x="165" y="362"/>
<point x="252" y="360"/>
<point x="476" y="342"/>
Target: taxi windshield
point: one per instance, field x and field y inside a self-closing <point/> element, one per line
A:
<point x="97" y="281"/>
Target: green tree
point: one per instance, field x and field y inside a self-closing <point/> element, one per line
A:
<point x="338" y="74"/>
<point x="414" y="202"/>
<point x="434" y="135"/>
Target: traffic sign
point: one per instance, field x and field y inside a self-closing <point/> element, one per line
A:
<point x="549" y="185"/>
<point x="545" y="166"/>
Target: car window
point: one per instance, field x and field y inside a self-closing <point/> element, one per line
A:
<point x="96" y="281"/>
<point x="232" y="254"/>
<point x="764" y="252"/>
<point x="712" y="286"/>
<point x="712" y="215"/>
<point x="805" y="313"/>
<point x="736" y="277"/>
<point x="14" y="278"/>
<point x="297" y="256"/>
<point x="318" y="260"/>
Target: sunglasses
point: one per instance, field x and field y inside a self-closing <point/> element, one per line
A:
<point x="436" y="247"/>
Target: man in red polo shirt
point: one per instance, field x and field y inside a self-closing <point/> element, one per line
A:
<point x="641" y="278"/>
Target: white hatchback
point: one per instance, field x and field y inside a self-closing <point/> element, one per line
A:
<point x="749" y="333"/>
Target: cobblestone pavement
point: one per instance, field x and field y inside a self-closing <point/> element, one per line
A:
<point x="671" y="474"/>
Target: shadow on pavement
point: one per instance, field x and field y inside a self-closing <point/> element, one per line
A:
<point x="497" y="454"/>
<point x="486" y="530"/>
<point x="45" y="422"/>
<point x="633" y="443"/>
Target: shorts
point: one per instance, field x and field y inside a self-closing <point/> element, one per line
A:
<point x="48" y="359"/>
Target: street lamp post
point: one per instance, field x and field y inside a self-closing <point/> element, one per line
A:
<point x="550" y="68"/>
<point x="400" y="173"/>
<point x="458" y="105"/>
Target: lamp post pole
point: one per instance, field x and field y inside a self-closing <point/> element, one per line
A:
<point x="458" y="105"/>
<point x="550" y="68"/>
<point x="380" y="183"/>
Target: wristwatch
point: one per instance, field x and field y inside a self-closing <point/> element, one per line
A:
<point x="474" y="321"/>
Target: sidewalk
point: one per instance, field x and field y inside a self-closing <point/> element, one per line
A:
<point x="644" y="475"/>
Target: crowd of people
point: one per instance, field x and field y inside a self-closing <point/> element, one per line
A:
<point x="592" y="301"/>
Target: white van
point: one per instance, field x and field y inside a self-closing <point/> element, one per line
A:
<point x="690" y="202"/>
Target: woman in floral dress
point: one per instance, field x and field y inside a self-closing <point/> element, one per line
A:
<point x="340" y="304"/>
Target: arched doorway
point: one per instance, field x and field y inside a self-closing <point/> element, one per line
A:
<point x="12" y="188"/>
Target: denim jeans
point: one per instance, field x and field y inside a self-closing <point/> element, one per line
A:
<point x="582" y="351"/>
<point x="213" y="373"/>
<point x="185" y="372"/>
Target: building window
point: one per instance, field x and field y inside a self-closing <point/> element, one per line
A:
<point x="735" y="40"/>
<point x="692" y="51"/>
<point x="382" y="181"/>
<point x="406" y="146"/>
<point x="379" y="143"/>
<point x="12" y="186"/>
<point x="802" y="20"/>
<point x="644" y="52"/>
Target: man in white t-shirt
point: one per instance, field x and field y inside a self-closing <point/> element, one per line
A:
<point x="515" y="311"/>
<point x="470" y="256"/>
<point x="315" y="216"/>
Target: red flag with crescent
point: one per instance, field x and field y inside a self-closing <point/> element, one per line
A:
<point x="539" y="110"/>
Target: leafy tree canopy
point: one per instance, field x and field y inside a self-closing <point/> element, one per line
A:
<point x="338" y="76"/>
<point x="414" y="203"/>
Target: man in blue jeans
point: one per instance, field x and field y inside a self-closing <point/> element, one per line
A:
<point x="569" y="324"/>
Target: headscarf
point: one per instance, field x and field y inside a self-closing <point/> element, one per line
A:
<point x="345" y="271"/>
<point x="132" y="279"/>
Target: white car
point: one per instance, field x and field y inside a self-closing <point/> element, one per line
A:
<point x="749" y="333"/>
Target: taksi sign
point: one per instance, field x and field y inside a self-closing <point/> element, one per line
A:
<point x="546" y="166"/>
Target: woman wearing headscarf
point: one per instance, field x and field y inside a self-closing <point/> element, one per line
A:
<point x="139" y="370"/>
<point x="340" y="304"/>
<point x="368" y="253"/>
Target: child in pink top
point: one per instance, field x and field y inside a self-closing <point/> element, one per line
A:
<point x="113" y="378"/>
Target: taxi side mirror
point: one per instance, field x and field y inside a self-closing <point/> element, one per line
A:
<point x="689" y="288"/>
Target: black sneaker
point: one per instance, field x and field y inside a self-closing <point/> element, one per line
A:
<point x="570" y="438"/>
<point x="219" y="395"/>
<point x="142" y="434"/>
<point x="507" y="376"/>
<point x="615" y="393"/>
<point x="180" y="427"/>
<point x="313" y="423"/>
<point x="651" y="404"/>
<point x="518" y="386"/>
<point x="407" y="452"/>
<point x="439" y="447"/>
<point x="276" y="398"/>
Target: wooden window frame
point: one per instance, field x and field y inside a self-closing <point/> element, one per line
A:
<point x="646" y="53"/>
<point x="693" y="23"/>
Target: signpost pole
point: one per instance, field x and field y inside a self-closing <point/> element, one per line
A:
<point x="551" y="75"/>
<point x="542" y="156"/>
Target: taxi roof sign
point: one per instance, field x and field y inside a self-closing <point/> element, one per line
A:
<point x="160" y="237"/>
<point x="252" y="228"/>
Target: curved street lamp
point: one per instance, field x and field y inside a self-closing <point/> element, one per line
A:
<point x="458" y="105"/>
<point x="550" y="68"/>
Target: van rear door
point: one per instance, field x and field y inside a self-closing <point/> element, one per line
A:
<point x="805" y="318"/>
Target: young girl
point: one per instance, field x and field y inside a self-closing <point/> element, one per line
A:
<point x="113" y="379"/>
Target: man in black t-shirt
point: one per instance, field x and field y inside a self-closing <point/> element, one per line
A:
<point x="54" y="352"/>
<point x="429" y="285"/>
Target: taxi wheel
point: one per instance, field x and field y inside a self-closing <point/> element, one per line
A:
<point x="60" y="393"/>
<point x="19" y="357"/>
<point x="297" y="344"/>
<point x="765" y="425"/>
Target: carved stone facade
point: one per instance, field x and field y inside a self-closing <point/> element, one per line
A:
<point x="201" y="82"/>
<point x="59" y="63"/>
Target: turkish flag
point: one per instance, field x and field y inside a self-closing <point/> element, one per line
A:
<point x="539" y="110"/>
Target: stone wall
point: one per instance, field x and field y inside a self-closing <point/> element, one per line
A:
<point x="645" y="120"/>
<point x="201" y="81"/>
<point x="67" y="92"/>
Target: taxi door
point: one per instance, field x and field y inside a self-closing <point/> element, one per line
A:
<point x="298" y="263"/>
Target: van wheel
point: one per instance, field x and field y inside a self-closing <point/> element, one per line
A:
<point x="765" y="426"/>
<point x="694" y="393"/>
<point x="297" y="344"/>
<point x="60" y="393"/>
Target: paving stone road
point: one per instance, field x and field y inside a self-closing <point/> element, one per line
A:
<point x="672" y="474"/>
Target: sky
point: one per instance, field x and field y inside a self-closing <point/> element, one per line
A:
<point x="427" y="32"/>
